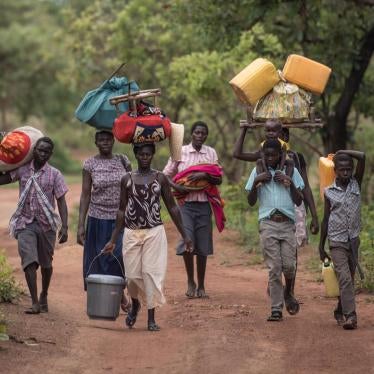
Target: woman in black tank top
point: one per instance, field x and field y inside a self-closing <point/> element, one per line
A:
<point x="145" y="246"/>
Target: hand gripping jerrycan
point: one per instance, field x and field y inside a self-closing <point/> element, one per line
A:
<point x="329" y="279"/>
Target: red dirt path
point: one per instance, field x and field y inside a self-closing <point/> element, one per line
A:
<point x="226" y="333"/>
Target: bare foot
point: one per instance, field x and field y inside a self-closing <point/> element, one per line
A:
<point x="201" y="293"/>
<point x="191" y="290"/>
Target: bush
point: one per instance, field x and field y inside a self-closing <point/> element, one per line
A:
<point x="367" y="246"/>
<point x="9" y="288"/>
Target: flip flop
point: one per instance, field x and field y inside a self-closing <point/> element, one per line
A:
<point x="33" y="310"/>
<point x="153" y="327"/>
<point x="131" y="318"/>
<point x="275" y="316"/>
<point x="292" y="305"/>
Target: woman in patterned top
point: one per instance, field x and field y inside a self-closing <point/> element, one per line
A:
<point x="100" y="199"/>
<point x="145" y="251"/>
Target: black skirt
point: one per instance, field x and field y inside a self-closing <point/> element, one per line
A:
<point x="197" y="222"/>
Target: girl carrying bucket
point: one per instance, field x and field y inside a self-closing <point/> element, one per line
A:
<point x="145" y="247"/>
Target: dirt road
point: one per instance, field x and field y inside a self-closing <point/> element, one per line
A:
<point x="226" y="333"/>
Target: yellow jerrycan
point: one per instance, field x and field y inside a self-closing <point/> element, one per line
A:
<point x="329" y="279"/>
<point x="326" y="173"/>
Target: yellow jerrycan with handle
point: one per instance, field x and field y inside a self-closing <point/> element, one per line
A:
<point x="329" y="279"/>
<point x="326" y="173"/>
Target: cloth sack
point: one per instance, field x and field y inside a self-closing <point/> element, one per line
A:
<point x="150" y="128"/>
<point x="95" y="108"/>
<point x="16" y="148"/>
<point x="286" y="101"/>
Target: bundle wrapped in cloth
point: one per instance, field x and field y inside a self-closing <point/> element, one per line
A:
<point x="286" y="101"/>
<point x="16" y="147"/>
<point x="147" y="125"/>
<point x="95" y="108"/>
<point x="210" y="190"/>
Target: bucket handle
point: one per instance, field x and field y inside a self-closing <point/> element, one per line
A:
<point x="97" y="256"/>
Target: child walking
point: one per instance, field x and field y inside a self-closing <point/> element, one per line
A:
<point x="341" y="225"/>
<point x="277" y="194"/>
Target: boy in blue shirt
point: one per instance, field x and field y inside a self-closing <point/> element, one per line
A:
<point x="277" y="194"/>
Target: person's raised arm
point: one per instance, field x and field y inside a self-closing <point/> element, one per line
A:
<point x="323" y="235"/>
<point x="238" y="149"/>
<point x="5" y="178"/>
<point x="83" y="205"/>
<point x="63" y="211"/>
<point x="173" y="210"/>
<point x="120" y="219"/>
<point x="360" y="168"/>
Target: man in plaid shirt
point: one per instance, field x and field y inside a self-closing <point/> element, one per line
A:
<point x="35" y="224"/>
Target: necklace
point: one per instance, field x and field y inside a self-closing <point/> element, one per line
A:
<point x="144" y="176"/>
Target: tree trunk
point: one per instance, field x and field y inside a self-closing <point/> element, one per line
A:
<point x="336" y="137"/>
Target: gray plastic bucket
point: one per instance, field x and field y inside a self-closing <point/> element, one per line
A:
<point x="104" y="293"/>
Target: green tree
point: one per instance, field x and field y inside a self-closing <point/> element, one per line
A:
<point x="339" y="33"/>
<point x="30" y="62"/>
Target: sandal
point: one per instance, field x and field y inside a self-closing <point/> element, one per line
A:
<point x="350" y="323"/>
<point x="152" y="326"/>
<point x="35" y="309"/>
<point x="43" y="304"/>
<point x="131" y="316"/>
<point x="275" y="316"/>
<point x="292" y="305"/>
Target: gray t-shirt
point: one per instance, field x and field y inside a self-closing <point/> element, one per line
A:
<point x="345" y="214"/>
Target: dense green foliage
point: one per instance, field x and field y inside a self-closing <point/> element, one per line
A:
<point x="9" y="288"/>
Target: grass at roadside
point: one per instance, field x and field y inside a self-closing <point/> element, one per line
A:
<point x="9" y="288"/>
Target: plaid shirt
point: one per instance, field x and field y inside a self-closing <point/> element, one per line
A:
<point x="51" y="182"/>
<point x="190" y="157"/>
<point x="345" y="214"/>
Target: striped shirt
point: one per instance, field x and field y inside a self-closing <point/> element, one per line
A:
<point x="273" y="196"/>
<point x="191" y="157"/>
<point x="345" y="212"/>
<point x="52" y="184"/>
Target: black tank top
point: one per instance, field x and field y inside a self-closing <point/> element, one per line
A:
<point x="143" y="206"/>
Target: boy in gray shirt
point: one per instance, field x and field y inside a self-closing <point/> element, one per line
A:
<point x="341" y="225"/>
